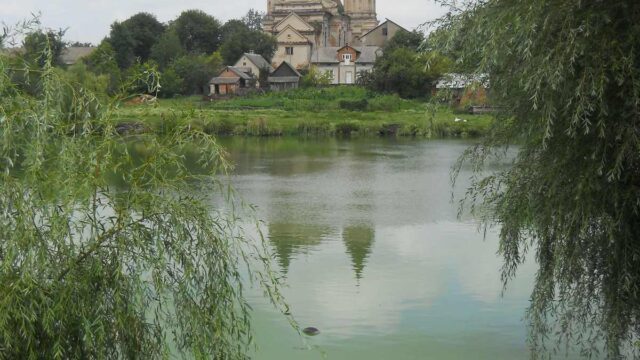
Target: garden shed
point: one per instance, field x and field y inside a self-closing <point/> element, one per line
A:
<point x="284" y="77"/>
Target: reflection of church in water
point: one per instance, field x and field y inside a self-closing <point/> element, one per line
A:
<point x="291" y="239"/>
<point x="328" y="33"/>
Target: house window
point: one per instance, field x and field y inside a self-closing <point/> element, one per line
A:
<point x="346" y="57"/>
<point x="289" y="50"/>
<point x="329" y="73"/>
<point x="385" y="31"/>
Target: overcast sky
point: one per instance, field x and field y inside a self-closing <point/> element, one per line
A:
<point x="89" y="20"/>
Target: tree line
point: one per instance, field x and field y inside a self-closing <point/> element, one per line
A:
<point x="405" y="68"/>
<point x="186" y="52"/>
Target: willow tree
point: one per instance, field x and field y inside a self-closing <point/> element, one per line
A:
<point x="566" y="74"/>
<point x="110" y="246"/>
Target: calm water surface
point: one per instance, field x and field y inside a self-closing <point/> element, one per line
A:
<point x="374" y="255"/>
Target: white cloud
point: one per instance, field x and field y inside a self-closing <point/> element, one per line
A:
<point x="89" y="21"/>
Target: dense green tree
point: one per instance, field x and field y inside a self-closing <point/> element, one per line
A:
<point x="80" y="75"/>
<point x="566" y="75"/>
<point x="231" y="27"/>
<point x="102" y="61"/>
<point x="41" y="49"/>
<point x="406" y="72"/>
<point x="239" y="39"/>
<point x="198" y="31"/>
<point x="123" y="43"/>
<point x="412" y="40"/>
<point x="40" y="46"/>
<point x="196" y="71"/>
<point x="253" y="19"/>
<point x="109" y="249"/>
<point x="133" y="38"/>
<point x="167" y="49"/>
<point x="171" y="84"/>
<point x="142" y="78"/>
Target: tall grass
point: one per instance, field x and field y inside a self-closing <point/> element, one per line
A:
<point x="334" y="111"/>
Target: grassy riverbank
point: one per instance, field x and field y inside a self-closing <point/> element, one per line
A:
<point x="308" y="112"/>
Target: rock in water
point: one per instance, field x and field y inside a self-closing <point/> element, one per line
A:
<point x="311" y="331"/>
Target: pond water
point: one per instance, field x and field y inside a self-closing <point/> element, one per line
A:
<point x="374" y="255"/>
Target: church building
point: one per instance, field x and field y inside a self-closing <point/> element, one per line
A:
<point x="313" y="32"/>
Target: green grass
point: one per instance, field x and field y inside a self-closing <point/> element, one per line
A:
<point x="349" y="111"/>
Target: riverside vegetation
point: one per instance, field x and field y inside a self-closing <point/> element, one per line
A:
<point x="566" y="75"/>
<point x="93" y="268"/>
<point x="332" y="111"/>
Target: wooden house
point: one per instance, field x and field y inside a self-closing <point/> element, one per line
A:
<point x="284" y="77"/>
<point x="232" y="80"/>
<point x="463" y="90"/>
<point x="255" y="64"/>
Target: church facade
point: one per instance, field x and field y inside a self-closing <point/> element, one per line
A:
<point x="304" y="26"/>
<point x="341" y="38"/>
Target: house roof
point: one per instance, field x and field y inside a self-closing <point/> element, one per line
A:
<point x="283" y="79"/>
<point x="349" y="46"/>
<point x="259" y="61"/>
<point x="68" y="56"/>
<point x="305" y="40"/>
<point x="231" y="79"/>
<point x="285" y="64"/>
<point x="73" y="54"/>
<point x="386" y="21"/>
<point x="239" y="71"/>
<point x="14" y="51"/>
<point x="461" y="81"/>
<point x="308" y="26"/>
<point x="224" y="80"/>
<point x="327" y="55"/>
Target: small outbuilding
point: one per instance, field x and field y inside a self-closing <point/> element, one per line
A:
<point x="231" y="80"/>
<point x="464" y="90"/>
<point x="254" y="64"/>
<point x="285" y="77"/>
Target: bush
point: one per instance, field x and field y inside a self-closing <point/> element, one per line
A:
<point x="221" y="127"/>
<point x="346" y="128"/>
<point x="260" y="127"/>
<point x="171" y="84"/>
<point x="313" y="78"/>
<point x="354" y="105"/>
<point x="386" y="103"/>
<point x="314" y="128"/>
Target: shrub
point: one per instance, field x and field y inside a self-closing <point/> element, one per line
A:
<point x="313" y="78"/>
<point x="354" y="105"/>
<point x="314" y="128"/>
<point x="386" y="103"/>
<point x="346" y="128"/>
<point x="220" y="127"/>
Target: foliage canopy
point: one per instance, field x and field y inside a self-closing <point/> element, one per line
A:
<point x="110" y="248"/>
<point x="566" y="74"/>
<point x="238" y="39"/>
<point x="133" y="38"/>
<point x="199" y="32"/>
<point x="37" y="43"/>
